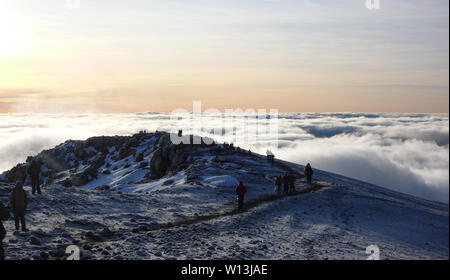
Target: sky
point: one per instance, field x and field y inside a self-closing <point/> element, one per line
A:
<point x="296" y="56"/>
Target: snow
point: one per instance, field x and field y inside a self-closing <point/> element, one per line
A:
<point x="180" y="218"/>
<point x="221" y="181"/>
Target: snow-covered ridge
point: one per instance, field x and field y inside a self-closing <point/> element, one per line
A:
<point x="140" y="197"/>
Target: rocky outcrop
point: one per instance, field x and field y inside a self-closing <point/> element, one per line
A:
<point x="125" y="152"/>
<point x="84" y="177"/>
<point x="167" y="156"/>
<point x="17" y="173"/>
<point x="76" y="163"/>
<point x="172" y="157"/>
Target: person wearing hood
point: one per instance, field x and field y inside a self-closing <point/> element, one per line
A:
<point x="18" y="201"/>
<point x="240" y="191"/>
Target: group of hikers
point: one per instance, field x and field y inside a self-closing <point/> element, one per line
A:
<point x="283" y="184"/>
<point x="18" y="202"/>
<point x="18" y="199"/>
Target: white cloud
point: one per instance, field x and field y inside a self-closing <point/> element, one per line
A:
<point x="407" y="153"/>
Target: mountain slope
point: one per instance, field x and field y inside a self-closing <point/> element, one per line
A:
<point x="139" y="197"/>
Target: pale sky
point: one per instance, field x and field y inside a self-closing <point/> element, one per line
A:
<point x="158" y="55"/>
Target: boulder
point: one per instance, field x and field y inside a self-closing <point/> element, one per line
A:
<point x="66" y="183"/>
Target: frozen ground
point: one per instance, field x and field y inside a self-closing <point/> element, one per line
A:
<point x="190" y="214"/>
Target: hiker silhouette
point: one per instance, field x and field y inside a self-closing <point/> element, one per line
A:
<point x="240" y="191"/>
<point x="34" y="170"/>
<point x="4" y="215"/>
<point x="278" y="185"/>
<point x="18" y="201"/>
<point x="308" y="173"/>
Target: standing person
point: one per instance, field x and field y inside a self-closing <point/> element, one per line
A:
<point x="308" y="173"/>
<point x="291" y="182"/>
<point x="18" y="201"/>
<point x="285" y="183"/>
<point x="240" y="191"/>
<point x="34" y="170"/>
<point x="4" y="215"/>
<point x="278" y="185"/>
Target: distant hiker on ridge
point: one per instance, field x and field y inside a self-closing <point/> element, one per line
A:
<point x="270" y="157"/>
<point x="240" y="191"/>
<point x="34" y="170"/>
<point x="278" y="185"/>
<point x="308" y="173"/>
<point x="4" y="215"/>
<point x="18" y="201"/>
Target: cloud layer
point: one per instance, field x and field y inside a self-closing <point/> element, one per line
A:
<point x="407" y="153"/>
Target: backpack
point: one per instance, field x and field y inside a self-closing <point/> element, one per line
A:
<point x="4" y="214"/>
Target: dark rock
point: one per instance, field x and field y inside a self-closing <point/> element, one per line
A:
<point x="44" y="255"/>
<point x="17" y="173"/>
<point x="66" y="183"/>
<point x="139" y="157"/>
<point x="79" y="179"/>
<point x="98" y="161"/>
<point x="125" y="152"/>
<point x="91" y="236"/>
<point x="105" y="253"/>
<point x="34" y="240"/>
<point x="106" y="232"/>
<point x="102" y="188"/>
<point x="39" y="233"/>
<point x="168" y="182"/>
<point x="84" y="177"/>
<point x="56" y="253"/>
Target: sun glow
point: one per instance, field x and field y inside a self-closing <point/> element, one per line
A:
<point x="11" y="35"/>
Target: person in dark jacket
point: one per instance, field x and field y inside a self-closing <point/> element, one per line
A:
<point x="285" y="183"/>
<point x="291" y="182"/>
<point x="240" y="191"/>
<point x="308" y="173"/>
<point x="4" y="215"/>
<point x="34" y="170"/>
<point x="278" y="184"/>
<point x="18" y="201"/>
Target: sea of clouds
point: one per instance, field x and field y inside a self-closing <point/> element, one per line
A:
<point x="404" y="152"/>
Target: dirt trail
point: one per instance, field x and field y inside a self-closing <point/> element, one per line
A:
<point x="228" y="210"/>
